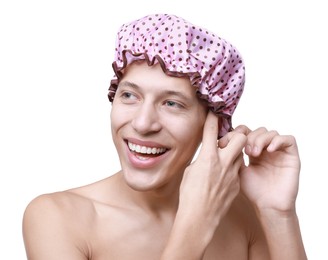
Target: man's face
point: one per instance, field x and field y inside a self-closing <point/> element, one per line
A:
<point x="157" y="124"/>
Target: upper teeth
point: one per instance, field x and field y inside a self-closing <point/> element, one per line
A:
<point x="145" y="150"/>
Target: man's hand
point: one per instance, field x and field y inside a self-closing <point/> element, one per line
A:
<point x="271" y="178"/>
<point x="211" y="182"/>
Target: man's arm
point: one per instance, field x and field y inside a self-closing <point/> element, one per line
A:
<point x="283" y="235"/>
<point x="275" y="237"/>
<point x="187" y="240"/>
<point x="209" y="186"/>
<point x="271" y="181"/>
<point x="49" y="233"/>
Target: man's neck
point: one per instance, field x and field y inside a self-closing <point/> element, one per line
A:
<point x="160" y="201"/>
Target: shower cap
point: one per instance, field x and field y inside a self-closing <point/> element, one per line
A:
<point x="214" y="66"/>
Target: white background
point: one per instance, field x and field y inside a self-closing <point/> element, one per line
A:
<point x="55" y="68"/>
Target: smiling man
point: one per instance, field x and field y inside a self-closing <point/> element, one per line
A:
<point x="176" y="88"/>
<point x="151" y="119"/>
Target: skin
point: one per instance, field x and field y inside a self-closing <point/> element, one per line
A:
<point x="214" y="207"/>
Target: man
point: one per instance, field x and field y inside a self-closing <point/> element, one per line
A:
<point x="161" y="205"/>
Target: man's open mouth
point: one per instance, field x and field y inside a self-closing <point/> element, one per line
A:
<point x="146" y="151"/>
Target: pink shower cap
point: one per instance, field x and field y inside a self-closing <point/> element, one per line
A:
<point x="215" y="68"/>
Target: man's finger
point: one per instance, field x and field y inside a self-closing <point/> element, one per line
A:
<point x="226" y="138"/>
<point x="210" y="133"/>
<point x="243" y="129"/>
<point x="236" y="143"/>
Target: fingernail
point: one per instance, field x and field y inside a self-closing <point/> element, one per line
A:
<point x="248" y="149"/>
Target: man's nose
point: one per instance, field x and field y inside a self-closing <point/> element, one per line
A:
<point x="146" y="119"/>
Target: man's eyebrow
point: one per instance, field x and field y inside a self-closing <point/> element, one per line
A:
<point x="164" y="92"/>
<point x="128" y="84"/>
<point x="176" y="93"/>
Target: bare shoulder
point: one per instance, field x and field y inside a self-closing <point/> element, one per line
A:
<point x="61" y="206"/>
<point x="243" y="213"/>
<point x="65" y="222"/>
<point x="70" y="207"/>
<point x="242" y="210"/>
<point x="55" y="223"/>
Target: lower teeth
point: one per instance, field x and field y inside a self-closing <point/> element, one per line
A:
<point x="142" y="158"/>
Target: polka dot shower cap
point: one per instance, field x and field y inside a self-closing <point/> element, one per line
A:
<point x="215" y="68"/>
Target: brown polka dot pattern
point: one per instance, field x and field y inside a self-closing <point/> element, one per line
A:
<point x="214" y="66"/>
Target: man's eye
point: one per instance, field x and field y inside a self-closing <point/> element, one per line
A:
<point x="128" y="95"/>
<point x="171" y="103"/>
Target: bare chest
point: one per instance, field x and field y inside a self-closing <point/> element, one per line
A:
<point x="130" y="238"/>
